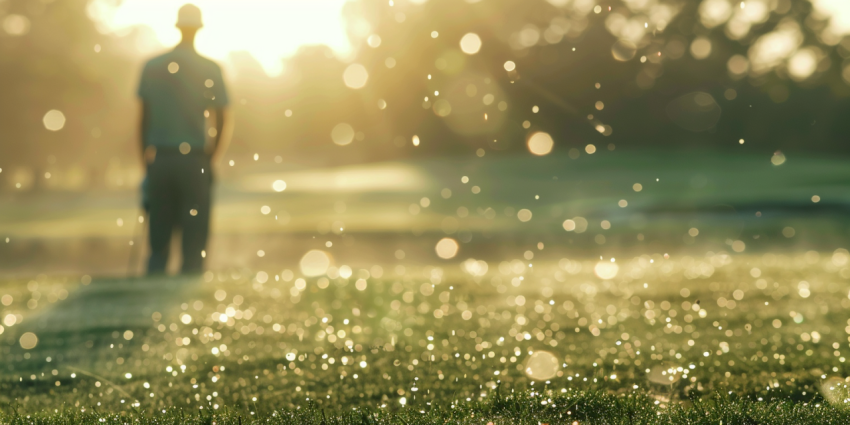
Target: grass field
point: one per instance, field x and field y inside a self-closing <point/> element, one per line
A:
<point x="661" y="336"/>
<point x="725" y="301"/>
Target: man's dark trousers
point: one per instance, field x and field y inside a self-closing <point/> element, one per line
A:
<point x="179" y="197"/>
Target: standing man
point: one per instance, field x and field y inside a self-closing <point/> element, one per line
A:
<point x="180" y="90"/>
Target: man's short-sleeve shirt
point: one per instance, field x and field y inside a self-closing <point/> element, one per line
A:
<point x="176" y="88"/>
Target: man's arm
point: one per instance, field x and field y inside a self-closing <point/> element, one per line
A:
<point x="144" y="118"/>
<point x="224" y="131"/>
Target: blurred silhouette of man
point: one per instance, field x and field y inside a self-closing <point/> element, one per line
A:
<point x="179" y="91"/>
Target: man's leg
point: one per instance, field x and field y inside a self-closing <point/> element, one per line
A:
<point x="161" y="216"/>
<point x="195" y="213"/>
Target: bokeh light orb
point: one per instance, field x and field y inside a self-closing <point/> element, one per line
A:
<point x="540" y="143"/>
<point x="623" y="50"/>
<point x="28" y="341"/>
<point x="606" y="270"/>
<point x="16" y="25"/>
<point x="541" y="365"/>
<point x="739" y="246"/>
<point x="475" y="267"/>
<point x="803" y="64"/>
<point x="840" y="257"/>
<point x="355" y="76"/>
<point x="470" y="43"/>
<point x="738" y="65"/>
<point x="510" y="66"/>
<point x="374" y="41"/>
<point x="701" y="48"/>
<point x="342" y="134"/>
<point x="447" y="248"/>
<point x="54" y="120"/>
<point x="524" y="215"/>
<point x="315" y="263"/>
<point x="279" y="185"/>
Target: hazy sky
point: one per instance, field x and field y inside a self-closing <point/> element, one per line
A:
<point x="269" y="29"/>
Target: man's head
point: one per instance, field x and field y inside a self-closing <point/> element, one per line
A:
<point x="189" y="21"/>
<point x="189" y="16"/>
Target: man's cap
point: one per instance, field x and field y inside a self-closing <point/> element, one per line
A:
<point x="189" y="16"/>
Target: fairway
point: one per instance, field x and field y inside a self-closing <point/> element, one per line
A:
<point x="409" y="338"/>
<point x="369" y="211"/>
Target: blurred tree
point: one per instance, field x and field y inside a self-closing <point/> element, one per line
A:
<point x="623" y="73"/>
<point x="59" y="61"/>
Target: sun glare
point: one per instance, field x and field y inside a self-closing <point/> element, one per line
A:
<point x="269" y="30"/>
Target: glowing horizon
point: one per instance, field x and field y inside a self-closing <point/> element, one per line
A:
<point x="270" y="30"/>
